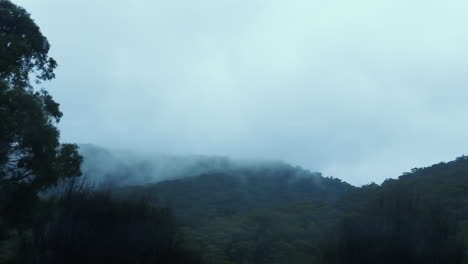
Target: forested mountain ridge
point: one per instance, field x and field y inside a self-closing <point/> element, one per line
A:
<point x="270" y="215"/>
<point x="238" y="212"/>
<point x="243" y="189"/>
<point x="421" y="217"/>
<point x="208" y="185"/>
<point x="254" y="212"/>
<point x="116" y="168"/>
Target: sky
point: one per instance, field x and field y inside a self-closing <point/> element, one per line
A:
<point x="360" y="90"/>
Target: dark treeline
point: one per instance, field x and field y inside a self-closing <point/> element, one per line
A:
<point x="218" y="213"/>
<point x="420" y="218"/>
<point x="81" y="226"/>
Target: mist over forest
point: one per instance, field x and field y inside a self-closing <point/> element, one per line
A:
<point x="222" y="132"/>
<point x="361" y="91"/>
<point x="105" y="167"/>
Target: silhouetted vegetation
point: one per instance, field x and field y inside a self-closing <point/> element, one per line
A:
<point x="81" y="226"/>
<point x="91" y="227"/>
<point x="31" y="156"/>
<point x="419" y="218"/>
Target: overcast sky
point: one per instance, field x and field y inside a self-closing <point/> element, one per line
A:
<point x="361" y="90"/>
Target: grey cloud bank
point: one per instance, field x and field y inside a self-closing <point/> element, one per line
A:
<point x="360" y="90"/>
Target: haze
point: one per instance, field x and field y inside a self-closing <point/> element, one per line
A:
<point x="361" y="90"/>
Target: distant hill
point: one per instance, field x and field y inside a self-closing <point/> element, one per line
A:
<point x="208" y="186"/>
<point x="250" y="183"/>
<point x="242" y="189"/>
<point x="272" y="212"/>
<point x="115" y="168"/>
<point x="280" y="213"/>
<point x="247" y="212"/>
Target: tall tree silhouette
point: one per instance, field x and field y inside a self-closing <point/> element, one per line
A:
<point x="31" y="156"/>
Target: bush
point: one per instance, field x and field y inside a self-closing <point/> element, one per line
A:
<point x="87" y="227"/>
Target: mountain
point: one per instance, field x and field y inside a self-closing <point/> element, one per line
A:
<point x="115" y="168"/>
<point x="241" y="189"/>
<point x="280" y="213"/>
<point x="421" y="217"/>
<point x="206" y="185"/>
<point x="273" y="212"/>
<point x="248" y="212"/>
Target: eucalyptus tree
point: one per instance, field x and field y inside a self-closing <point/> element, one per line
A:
<point x="31" y="155"/>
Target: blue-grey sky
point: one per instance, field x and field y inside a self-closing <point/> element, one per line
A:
<point x="361" y="90"/>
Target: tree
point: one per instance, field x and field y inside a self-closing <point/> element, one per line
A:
<point x="23" y="48"/>
<point x="31" y="156"/>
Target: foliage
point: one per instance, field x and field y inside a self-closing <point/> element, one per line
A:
<point x="273" y="216"/>
<point x="23" y="49"/>
<point x="91" y="227"/>
<point x="419" y="218"/>
<point x="240" y="190"/>
<point x="255" y="214"/>
<point x="31" y="156"/>
<point x="277" y="235"/>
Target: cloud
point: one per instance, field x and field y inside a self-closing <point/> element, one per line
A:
<point x="361" y="90"/>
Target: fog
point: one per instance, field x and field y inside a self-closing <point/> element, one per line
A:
<point x="360" y="90"/>
<point x="103" y="168"/>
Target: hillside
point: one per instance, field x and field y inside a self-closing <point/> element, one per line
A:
<point x="231" y="190"/>
<point x="285" y="214"/>
<point x="210" y="185"/>
<point x="113" y="168"/>
<point x="254" y="212"/>
<point x="421" y="217"/>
